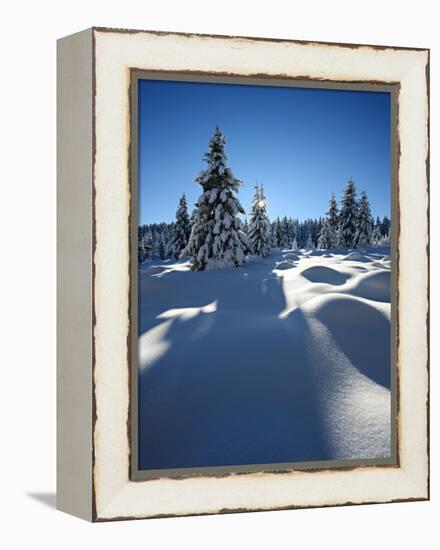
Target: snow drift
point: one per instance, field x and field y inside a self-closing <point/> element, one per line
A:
<point x="265" y="364"/>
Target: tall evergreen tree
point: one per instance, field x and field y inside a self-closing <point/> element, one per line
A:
<point x="278" y="233"/>
<point x="259" y="227"/>
<point x="333" y="218"/>
<point x="180" y="231"/>
<point x="142" y="252"/>
<point x="309" y="243"/>
<point x="385" y="240"/>
<point x="285" y="239"/>
<point x="155" y="253"/>
<point x="145" y="246"/>
<point x="348" y="217"/>
<point x="385" y="226"/>
<point x="216" y="239"/>
<point x="376" y="236"/>
<point x="364" y="223"/>
<point x="273" y="240"/>
<point x="326" y="236"/>
<point x="378" y="224"/>
<point x="191" y="219"/>
<point x="161" y="247"/>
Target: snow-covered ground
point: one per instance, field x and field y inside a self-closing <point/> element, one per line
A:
<point x="285" y="359"/>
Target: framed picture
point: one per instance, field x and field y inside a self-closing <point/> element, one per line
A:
<point x="243" y="299"/>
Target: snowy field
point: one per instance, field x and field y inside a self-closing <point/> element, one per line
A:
<point x="285" y="359"/>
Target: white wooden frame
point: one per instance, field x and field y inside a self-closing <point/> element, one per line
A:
<point x="94" y="276"/>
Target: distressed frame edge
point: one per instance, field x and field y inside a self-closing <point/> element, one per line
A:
<point x="409" y="499"/>
<point x="74" y="289"/>
<point x="428" y="259"/>
<point x="352" y="45"/>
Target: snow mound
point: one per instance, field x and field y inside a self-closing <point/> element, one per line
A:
<point x="322" y="274"/>
<point x="356" y="257"/>
<point x="284" y="265"/>
<point x="354" y="325"/>
<point x="373" y="286"/>
<point x="291" y="256"/>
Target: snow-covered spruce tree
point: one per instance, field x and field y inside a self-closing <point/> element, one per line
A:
<point x="277" y="233"/>
<point x="217" y="240"/>
<point x="364" y="223"/>
<point x="294" y="245"/>
<point x="326" y="237"/>
<point x="148" y="243"/>
<point x="191" y="219"/>
<point x="155" y="253"/>
<point x="145" y="246"/>
<point x="162" y="247"/>
<point x="272" y="236"/>
<point x="309" y="243"/>
<point x="285" y="233"/>
<point x="142" y="252"/>
<point x="376" y="237"/>
<point x="333" y="218"/>
<point x="181" y="230"/>
<point x="259" y="233"/>
<point x="385" y="227"/>
<point x="385" y="240"/>
<point x="348" y="217"/>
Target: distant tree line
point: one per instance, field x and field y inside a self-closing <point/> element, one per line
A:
<point x="352" y="226"/>
<point x="214" y="236"/>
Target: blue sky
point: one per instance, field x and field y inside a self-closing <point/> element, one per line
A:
<point x="301" y="143"/>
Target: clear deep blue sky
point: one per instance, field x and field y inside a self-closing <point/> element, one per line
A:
<point x="301" y="143"/>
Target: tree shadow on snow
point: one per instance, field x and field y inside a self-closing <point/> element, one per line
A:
<point x="233" y="386"/>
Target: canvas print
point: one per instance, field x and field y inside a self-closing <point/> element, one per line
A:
<point x="264" y="276"/>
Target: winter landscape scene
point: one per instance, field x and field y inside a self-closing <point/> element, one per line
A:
<point x="264" y="306"/>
